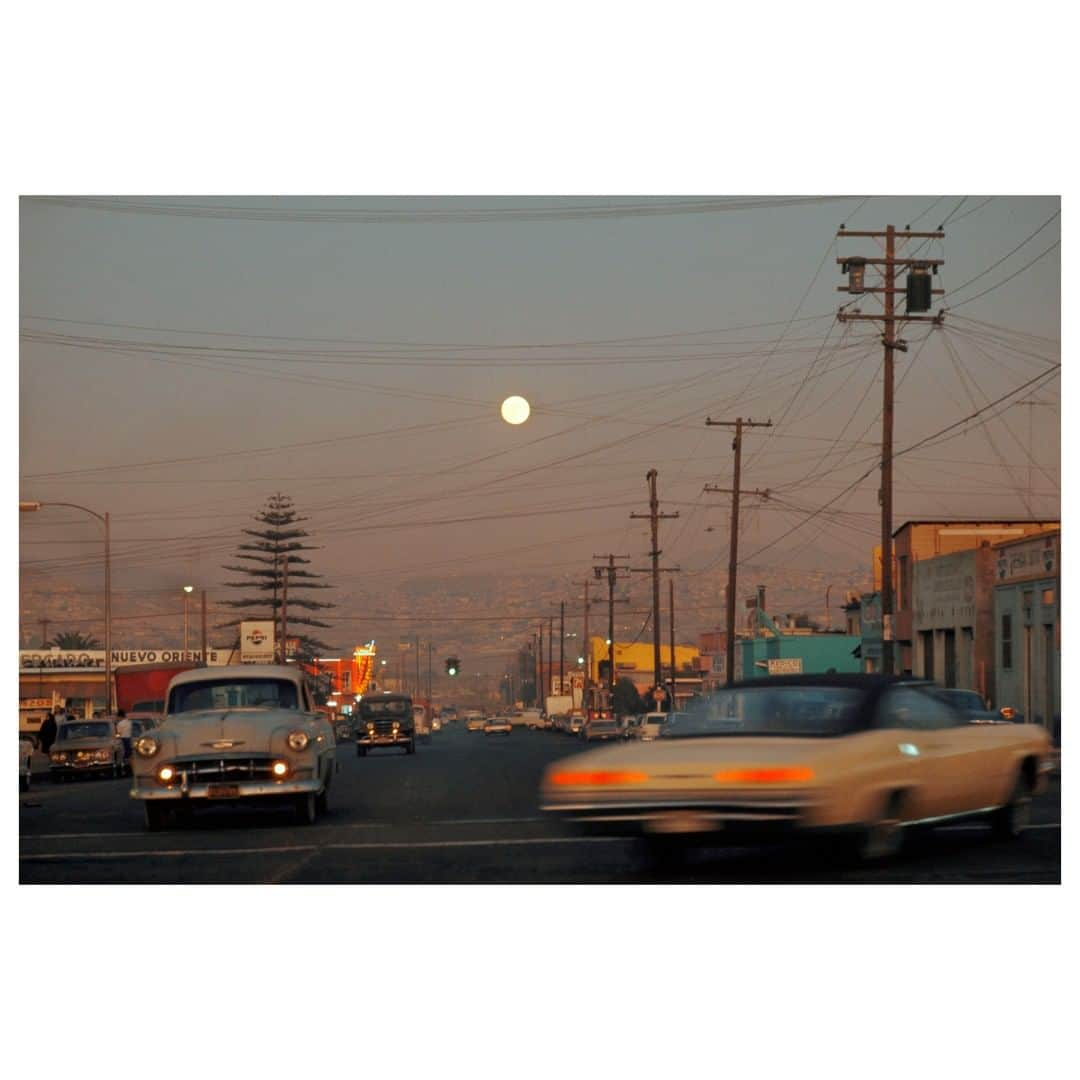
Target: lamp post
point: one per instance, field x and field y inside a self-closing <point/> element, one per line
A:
<point x="30" y="507"/>
<point x="188" y="590"/>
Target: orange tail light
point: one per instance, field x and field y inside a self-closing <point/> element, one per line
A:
<point x="782" y="775"/>
<point x="595" y="779"/>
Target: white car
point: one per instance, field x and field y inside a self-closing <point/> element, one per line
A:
<point x="497" y="725"/>
<point x="26" y="749"/>
<point x="231" y="734"/>
<point x="649" y="725"/>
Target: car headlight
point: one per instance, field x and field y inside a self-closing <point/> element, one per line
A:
<point x="279" y="770"/>
<point x="58" y="755"/>
<point x="166" y="774"/>
<point x="396" y="725"/>
<point x="371" y="729"/>
<point x="297" y="740"/>
<point x="102" y="755"/>
<point x="147" y="746"/>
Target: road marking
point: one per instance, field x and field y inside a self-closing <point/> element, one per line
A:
<point x="289" y="848"/>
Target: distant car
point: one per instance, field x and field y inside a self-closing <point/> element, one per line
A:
<point x="574" y="724"/>
<point x="436" y="723"/>
<point x="86" y="746"/>
<point x="234" y="734"/>
<point x="972" y="706"/>
<point x="26" y="750"/>
<point x="342" y="731"/>
<point x="602" y="729"/>
<point x="474" y="721"/>
<point x="648" y="726"/>
<point x="859" y="757"/>
<point x="498" y="725"/>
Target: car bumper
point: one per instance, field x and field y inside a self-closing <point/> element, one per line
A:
<point x="384" y="740"/>
<point x="80" y="766"/>
<point x="225" y="792"/>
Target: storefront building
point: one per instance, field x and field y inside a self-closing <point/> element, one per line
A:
<point x="1027" y="618"/>
<point x="953" y="620"/>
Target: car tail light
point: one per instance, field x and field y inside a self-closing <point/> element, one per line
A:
<point x="796" y="774"/>
<point x="597" y="779"/>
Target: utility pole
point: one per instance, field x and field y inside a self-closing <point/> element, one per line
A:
<point x="613" y="573"/>
<point x="429" y="671"/>
<point x="284" y="608"/>
<point x="671" y="613"/>
<point x="733" y="547"/>
<point x="551" y="657"/>
<point x="1031" y="403"/>
<point x="918" y="299"/>
<point x="540" y="666"/>
<point x="202" y="599"/>
<point x="416" y="644"/>
<point x="562" y="643"/>
<point x="654" y="517"/>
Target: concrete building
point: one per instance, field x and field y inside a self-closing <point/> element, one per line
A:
<point x="917" y="540"/>
<point x="1027" y="620"/>
<point x="953" y="619"/>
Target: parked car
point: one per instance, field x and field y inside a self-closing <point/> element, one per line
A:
<point x="498" y="725"/>
<point x="972" y="706"/>
<point x="86" y="746"/>
<point x="234" y="734"/>
<point x="857" y="756"/>
<point x="26" y="750"/>
<point x="601" y="728"/>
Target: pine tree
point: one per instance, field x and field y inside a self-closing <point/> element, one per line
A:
<point x="276" y="567"/>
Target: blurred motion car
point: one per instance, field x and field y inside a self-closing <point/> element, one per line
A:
<point x="859" y="757"/>
<point x="498" y="725"/>
<point x="86" y="746"/>
<point x="474" y="721"/>
<point x="234" y="734"/>
<point x="26" y="750"/>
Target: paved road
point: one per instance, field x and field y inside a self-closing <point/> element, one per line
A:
<point x="462" y="810"/>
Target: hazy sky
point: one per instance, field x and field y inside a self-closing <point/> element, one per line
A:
<point x="161" y="337"/>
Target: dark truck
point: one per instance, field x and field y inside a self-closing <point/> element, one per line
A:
<point x="384" y="720"/>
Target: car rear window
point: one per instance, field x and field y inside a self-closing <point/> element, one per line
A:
<point x="794" y="711"/>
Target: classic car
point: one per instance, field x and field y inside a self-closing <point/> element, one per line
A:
<point x="86" y="746"/>
<point x="972" y="706"/>
<point x="234" y="734"/>
<point x="863" y="757"/>
<point x="497" y="725"/>
<point x="385" y="720"/>
<point x="474" y="721"/>
<point x="602" y="728"/>
<point x="26" y="750"/>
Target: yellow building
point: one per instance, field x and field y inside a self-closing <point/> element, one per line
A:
<point x="634" y="660"/>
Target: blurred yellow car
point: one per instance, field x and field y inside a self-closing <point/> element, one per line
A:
<point x="859" y="756"/>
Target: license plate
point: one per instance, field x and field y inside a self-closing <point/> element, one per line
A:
<point x="682" y="822"/>
<point x="223" y="791"/>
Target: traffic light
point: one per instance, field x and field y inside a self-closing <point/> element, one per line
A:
<point x="453" y="666"/>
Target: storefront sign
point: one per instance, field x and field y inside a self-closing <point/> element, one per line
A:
<point x="81" y="660"/>
<point x="257" y="642"/>
<point x="1035" y="558"/>
<point x="788" y="665"/>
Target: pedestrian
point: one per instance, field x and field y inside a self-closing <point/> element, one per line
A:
<point x="47" y="735"/>
<point x="123" y="730"/>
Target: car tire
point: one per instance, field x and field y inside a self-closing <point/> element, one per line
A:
<point x="155" y="816"/>
<point x="322" y="800"/>
<point x="306" y="809"/>
<point x="1010" y="821"/>
<point x="882" y="837"/>
<point x="411" y="747"/>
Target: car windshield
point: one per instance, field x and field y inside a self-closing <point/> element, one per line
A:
<point x="794" y="711"/>
<point x="233" y="693"/>
<point x="390" y="707"/>
<point x="90" y="730"/>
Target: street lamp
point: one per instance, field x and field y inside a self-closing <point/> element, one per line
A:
<point x="188" y="590"/>
<point x="30" y="507"/>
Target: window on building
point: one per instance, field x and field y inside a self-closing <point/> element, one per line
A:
<point x="1006" y="641"/>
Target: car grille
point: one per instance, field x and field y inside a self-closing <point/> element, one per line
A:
<point x="218" y="770"/>
<point x="386" y="727"/>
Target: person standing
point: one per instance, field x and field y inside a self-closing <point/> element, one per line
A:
<point x="123" y="730"/>
<point x="47" y="735"/>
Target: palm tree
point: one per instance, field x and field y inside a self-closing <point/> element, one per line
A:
<point x="73" y="639"/>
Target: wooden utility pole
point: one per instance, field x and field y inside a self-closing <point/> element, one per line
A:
<point x="416" y="644"/>
<point x="202" y="602"/>
<point x="733" y="549"/>
<point x="654" y="517"/>
<point x="587" y="652"/>
<point x="918" y="299"/>
<point x="613" y="573"/>
<point x="284" y="608"/>
<point x="562" y="643"/>
<point x="429" y="672"/>
<point x="671" y="613"/>
<point x="551" y="658"/>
